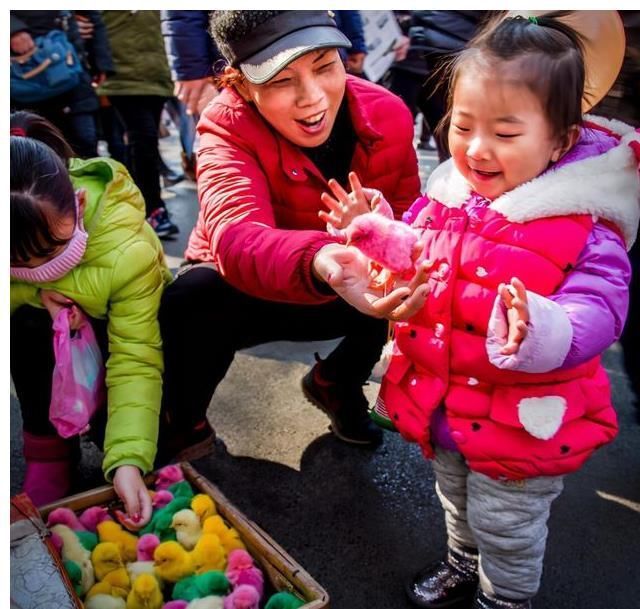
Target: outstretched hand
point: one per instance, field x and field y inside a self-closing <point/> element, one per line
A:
<point x="514" y="296"/>
<point x="346" y="206"/>
<point x="347" y="271"/>
<point x="130" y="487"/>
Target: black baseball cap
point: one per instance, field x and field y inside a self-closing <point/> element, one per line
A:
<point x="274" y="44"/>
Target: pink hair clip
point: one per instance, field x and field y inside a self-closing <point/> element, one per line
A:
<point x="18" y="131"/>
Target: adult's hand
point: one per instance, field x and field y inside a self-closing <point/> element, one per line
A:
<point x="195" y="94"/>
<point x="85" y="27"/>
<point x="355" y="63"/>
<point x="21" y="43"/>
<point x="346" y="270"/>
<point x="401" y="48"/>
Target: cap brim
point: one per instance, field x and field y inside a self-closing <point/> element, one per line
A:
<point x="264" y="65"/>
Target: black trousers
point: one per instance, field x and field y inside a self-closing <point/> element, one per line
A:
<point x="32" y="362"/>
<point x="140" y="115"/>
<point x="204" y="321"/>
<point x="630" y="338"/>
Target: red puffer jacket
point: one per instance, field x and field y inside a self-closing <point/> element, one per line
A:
<point x="260" y="194"/>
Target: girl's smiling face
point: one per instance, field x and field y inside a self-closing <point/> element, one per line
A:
<point x="499" y="135"/>
<point x="302" y="101"/>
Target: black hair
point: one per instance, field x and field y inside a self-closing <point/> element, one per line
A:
<point x="231" y="26"/>
<point x="547" y="54"/>
<point x="41" y="192"/>
<point x="35" y="126"/>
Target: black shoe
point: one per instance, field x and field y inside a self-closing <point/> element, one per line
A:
<point x="450" y="583"/>
<point x="161" y="223"/>
<point x="482" y="601"/>
<point x="171" y="178"/>
<point x="345" y="405"/>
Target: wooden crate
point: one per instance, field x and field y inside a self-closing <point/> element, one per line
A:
<point x="284" y="573"/>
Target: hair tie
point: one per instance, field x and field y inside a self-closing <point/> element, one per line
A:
<point x="18" y="132"/>
<point x="533" y="20"/>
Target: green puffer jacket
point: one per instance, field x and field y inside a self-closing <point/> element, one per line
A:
<point x="120" y="278"/>
<point x="139" y="59"/>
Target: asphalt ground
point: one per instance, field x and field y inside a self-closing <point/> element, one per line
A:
<point x="362" y="521"/>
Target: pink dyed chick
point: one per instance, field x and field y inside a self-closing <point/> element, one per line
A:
<point x="65" y="516"/>
<point x="243" y="597"/>
<point x="387" y="242"/>
<point x="168" y="475"/>
<point x="177" y="604"/>
<point x="242" y="570"/>
<point x="93" y="516"/>
<point x="146" y="545"/>
<point x="161" y="498"/>
<point x="57" y="542"/>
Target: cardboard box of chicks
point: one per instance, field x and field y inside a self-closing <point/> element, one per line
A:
<point x="197" y="552"/>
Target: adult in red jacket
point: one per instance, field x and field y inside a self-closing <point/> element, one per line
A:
<point x="260" y="263"/>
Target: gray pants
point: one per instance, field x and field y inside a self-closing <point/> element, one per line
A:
<point x="505" y="521"/>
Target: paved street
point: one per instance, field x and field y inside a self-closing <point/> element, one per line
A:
<point x="361" y="521"/>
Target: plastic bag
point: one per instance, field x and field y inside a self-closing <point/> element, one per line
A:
<point x="77" y="387"/>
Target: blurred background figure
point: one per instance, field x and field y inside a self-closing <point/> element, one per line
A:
<point x="138" y="90"/>
<point x="433" y="36"/>
<point x="350" y="24"/>
<point x="623" y="103"/>
<point x="73" y="112"/>
<point x="192" y="55"/>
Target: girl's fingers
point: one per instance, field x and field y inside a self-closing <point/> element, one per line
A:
<point x="356" y="187"/>
<point x="506" y="296"/>
<point x="333" y="204"/>
<point x="330" y="219"/>
<point x="375" y="201"/>
<point x="340" y="193"/>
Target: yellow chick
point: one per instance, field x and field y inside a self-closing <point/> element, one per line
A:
<point x="145" y="593"/>
<point x="208" y="554"/>
<point x="100" y="588"/>
<point x="229" y="537"/>
<point x="106" y="558"/>
<point x="110" y="530"/>
<point x="119" y="579"/>
<point x="187" y="526"/>
<point x="172" y="561"/>
<point x="72" y="549"/>
<point x="105" y="601"/>
<point x="203" y="506"/>
<point x="135" y="569"/>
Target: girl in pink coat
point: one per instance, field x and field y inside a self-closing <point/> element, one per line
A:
<point x="498" y="377"/>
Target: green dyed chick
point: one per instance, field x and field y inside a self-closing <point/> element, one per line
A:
<point x="197" y="586"/>
<point x="284" y="600"/>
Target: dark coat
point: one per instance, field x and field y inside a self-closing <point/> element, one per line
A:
<point x="435" y="34"/>
<point x="190" y="49"/>
<point x="95" y="54"/>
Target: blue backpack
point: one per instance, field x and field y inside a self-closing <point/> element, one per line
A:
<point x="52" y="67"/>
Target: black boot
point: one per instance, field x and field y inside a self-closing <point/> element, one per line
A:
<point x="449" y="583"/>
<point x="344" y="404"/>
<point x="482" y="601"/>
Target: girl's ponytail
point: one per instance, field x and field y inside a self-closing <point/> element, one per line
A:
<point x="28" y="124"/>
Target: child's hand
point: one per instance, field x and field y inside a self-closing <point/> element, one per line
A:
<point x="129" y="485"/>
<point x="346" y="206"/>
<point x="54" y="302"/>
<point x="514" y="296"/>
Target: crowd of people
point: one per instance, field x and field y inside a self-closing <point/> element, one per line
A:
<point x="504" y="281"/>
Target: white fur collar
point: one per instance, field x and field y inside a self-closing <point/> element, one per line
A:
<point x="606" y="186"/>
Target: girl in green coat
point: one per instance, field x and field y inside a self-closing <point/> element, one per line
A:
<point x="79" y="239"/>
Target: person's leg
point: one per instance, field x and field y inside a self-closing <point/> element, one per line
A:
<point x="452" y="581"/>
<point x="82" y="134"/>
<point x="48" y="456"/>
<point x="141" y="115"/>
<point x="630" y="339"/>
<point x="204" y="321"/>
<point x="509" y="523"/>
<point x="114" y="131"/>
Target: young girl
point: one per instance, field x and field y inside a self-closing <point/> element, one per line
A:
<point x="498" y="377"/>
<point x="79" y="239"/>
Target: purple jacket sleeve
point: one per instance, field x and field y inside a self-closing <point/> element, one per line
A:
<point x="595" y="295"/>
